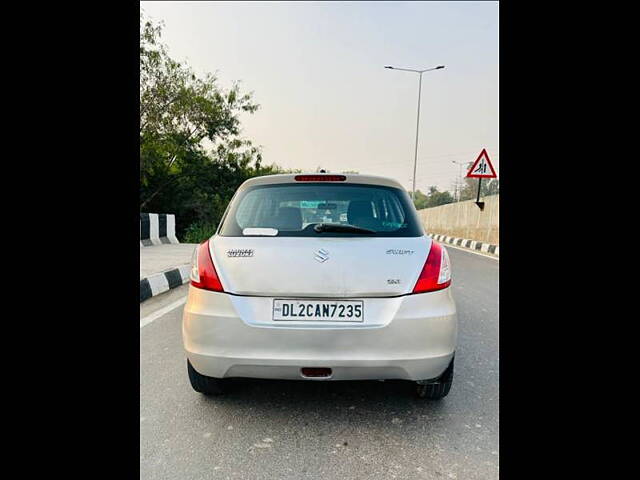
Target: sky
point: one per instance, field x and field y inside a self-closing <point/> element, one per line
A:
<point x="316" y="70"/>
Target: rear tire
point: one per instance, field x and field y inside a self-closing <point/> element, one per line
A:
<point x="437" y="391"/>
<point x="203" y="384"/>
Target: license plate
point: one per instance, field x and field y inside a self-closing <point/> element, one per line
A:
<point x="318" y="310"/>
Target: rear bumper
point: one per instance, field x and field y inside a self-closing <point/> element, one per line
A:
<point x="411" y="337"/>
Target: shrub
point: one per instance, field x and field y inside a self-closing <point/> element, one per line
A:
<point x="198" y="232"/>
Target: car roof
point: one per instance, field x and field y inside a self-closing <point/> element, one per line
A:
<point x="350" y="178"/>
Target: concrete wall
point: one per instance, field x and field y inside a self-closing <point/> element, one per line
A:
<point x="465" y="220"/>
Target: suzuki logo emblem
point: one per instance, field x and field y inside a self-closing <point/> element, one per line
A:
<point x="322" y="255"/>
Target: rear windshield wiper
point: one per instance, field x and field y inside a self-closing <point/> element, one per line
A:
<point x="340" y="227"/>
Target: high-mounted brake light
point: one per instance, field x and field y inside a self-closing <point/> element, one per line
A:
<point x="436" y="273"/>
<point x="203" y="273"/>
<point x="320" y="178"/>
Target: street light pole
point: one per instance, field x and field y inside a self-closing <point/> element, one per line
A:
<point x="415" y="159"/>
<point x="459" y="183"/>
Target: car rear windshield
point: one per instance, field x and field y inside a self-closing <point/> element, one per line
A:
<point x="296" y="210"/>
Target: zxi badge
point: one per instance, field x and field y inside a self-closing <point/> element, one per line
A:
<point x="322" y="255"/>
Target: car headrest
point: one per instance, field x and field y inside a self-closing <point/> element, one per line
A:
<point x="289" y="218"/>
<point x="359" y="210"/>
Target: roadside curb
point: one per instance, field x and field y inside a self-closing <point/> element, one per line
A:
<point x="162" y="282"/>
<point x="466" y="243"/>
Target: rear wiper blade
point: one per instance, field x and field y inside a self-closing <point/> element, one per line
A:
<point x="340" y="227"/>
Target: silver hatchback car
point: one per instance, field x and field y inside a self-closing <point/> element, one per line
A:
<point x="320" y="277"/>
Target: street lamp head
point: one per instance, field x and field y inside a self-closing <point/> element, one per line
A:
<point x="388" y="66"/>
<point x="439" y="67"/>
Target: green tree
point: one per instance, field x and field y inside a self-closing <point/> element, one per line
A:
<point x="433" y="198"/>
<point x="180" y="112"/>
<point x="420" y="200"/>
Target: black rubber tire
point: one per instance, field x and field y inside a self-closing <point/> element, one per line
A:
<point x="203" y="384"/>
<point x="437" y="391"/>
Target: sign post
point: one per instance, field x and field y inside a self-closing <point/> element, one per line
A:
<point x="481" y="168"/>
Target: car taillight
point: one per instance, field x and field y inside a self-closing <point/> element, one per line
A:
<point x="203" y="273"/>
<point x="320" y="178"/>
<point x="436" y="273"/>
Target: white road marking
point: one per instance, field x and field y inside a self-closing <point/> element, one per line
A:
<point x="161" y="312"/>
<point x="471" y="251"/>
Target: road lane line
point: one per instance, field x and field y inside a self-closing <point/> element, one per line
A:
<point x="471" y="251"/>
<point x="161" y="312"/>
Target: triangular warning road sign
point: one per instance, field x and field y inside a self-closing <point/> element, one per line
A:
<point x="482" y="167"/>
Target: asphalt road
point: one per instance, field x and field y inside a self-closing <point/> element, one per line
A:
<point x="327" y="430"/>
